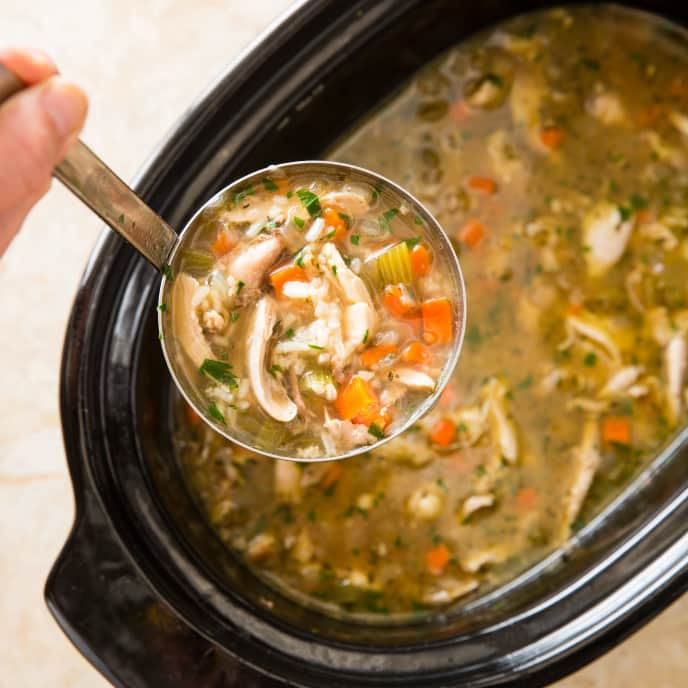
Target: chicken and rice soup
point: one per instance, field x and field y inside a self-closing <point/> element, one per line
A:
<point x="312" y="315"/>
<point x="553" y="148"/>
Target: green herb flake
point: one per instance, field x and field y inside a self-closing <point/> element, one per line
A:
<point x="289" y="333"/>
<point x="346" y="218"/>
<point x="376" y="431"/>
<point x="309" y="201"/>
<point x="376" y="193"/>
<point x="365" y="337"/>
<point x="241" y="195"/>
<point x="525" y="383"/>
<point x="312" y="516"/>
<point x="215" y="413"/>
<point x="299" y="259"/>
<point x="275" y="370"/>
<point x="355" y="239"/>
<point x="591" y="64"/>
<point x="240" y="286"/>
<point x="387" y="217"/>
<point x="334" y="269"/>
<point x="413" y="241"/>
<point x="590" y="359"/>
<point x="418" y="220"/>
<point x="480" y="470"/>
<point x="220" y="371"/>
<point x="168" y="272"/>
<point x="269" y="184"/>
<point x="441" y="484"/>
<point x="474" y="337"/>
<point x="316" y="347"/>
<point x="162" y="307"/>
<point x="625" y="212"/>
<point x="234" y="316"/>
<point x="398" y="542"/>
<point x="299" y="222"/>
<point x="638" y="202"/>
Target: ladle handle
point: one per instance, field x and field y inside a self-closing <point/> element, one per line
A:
<point x="96" y="185"/>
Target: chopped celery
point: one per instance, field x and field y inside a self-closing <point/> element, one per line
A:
<point x="393" y="266"/>
<point x="316" y="381"/>
<point x="197" y="263"/>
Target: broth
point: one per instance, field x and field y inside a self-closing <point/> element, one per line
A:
<point x="553" y="149"/>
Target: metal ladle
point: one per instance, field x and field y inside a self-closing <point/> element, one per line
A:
<point x="98" y="187"/>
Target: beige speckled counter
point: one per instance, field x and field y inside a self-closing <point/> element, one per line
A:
<point x="141" y="63"/>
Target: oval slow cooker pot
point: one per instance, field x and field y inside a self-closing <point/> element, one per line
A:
<point x="143" y="588"/>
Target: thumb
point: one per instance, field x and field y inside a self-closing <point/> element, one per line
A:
<point x="36" y="128"/>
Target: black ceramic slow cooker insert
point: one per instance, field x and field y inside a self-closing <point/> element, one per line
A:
<point x="143" y="588"/>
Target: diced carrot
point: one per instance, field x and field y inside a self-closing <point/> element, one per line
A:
<point x="397" y="300"/>
<point x="616" y="429"/>
<point x="459" y="110"/>
<point x="358" y="403"/>
<point x="552" y="137"/>
<point x="415" y="352"/>
<point x="191" y="416"/>
<point x="375" y="354"/>
<point x="472" y="233"/>
<point x="420" y="260"/>
<point x="449" y="396"/>
<point x="437" y="558"/>
<point x="224" y="243"/>
<point x="438" y="321"/>
<point x="526" y="497"/>
<point x="443" y="432"/>
<point x="334" y="220"/>
<point x="643" y="216"/>
<point x="287" y="273"/>
<point x="649" y="116"/>
<point x="574" y="309"/>
<point x="333" y="473"/>
<point x="483" y="184"/>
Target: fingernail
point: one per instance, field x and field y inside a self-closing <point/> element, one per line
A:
<point x="65" y="104"/>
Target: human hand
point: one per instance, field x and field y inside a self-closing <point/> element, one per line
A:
<point x="37" y="126"/>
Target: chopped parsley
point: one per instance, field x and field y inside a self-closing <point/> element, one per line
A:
<point x="162" y="307"/>
<point x="215" y="413"/>
<point x="309" y="201"/>
<point x="270" y="185"/>
<point x="299" y="222"/>
<point x="167" y="271"/>
<point x="240" y="195"/>
<point x="289" y="333"/>
<point x="625" y="212"/>
<point x="525" y="382"/>
<point x="334" y="269"/>
<point x="590" y="359"/>
<point x="376" y="431"/>
<point x="387" y="217"/>
<point x="413" y="241"/>
<point x="355" y="239"/>
<point x="220" y="371"/>
<point x="346" y="218"/>
<point x="234" y="316"/>
<point x="240" y="286"/>
<point x="365" y="337"/>
<point x="316" y="346"/>
<point x="275" y="369"/>
<point x="418" y="220"/>
<point x="376" y="193"/>
<point x="638" y="202"/>
<point x="299" y="259"/>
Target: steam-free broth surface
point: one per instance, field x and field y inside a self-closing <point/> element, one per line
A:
<point x="554" y="150"/>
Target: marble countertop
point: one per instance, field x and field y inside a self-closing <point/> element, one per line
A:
<point x="141" y="63"/>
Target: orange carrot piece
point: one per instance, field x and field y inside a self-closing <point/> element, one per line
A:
<point x="459" y="110"/>
<point x="334" y="220"/>
<point x="483" y="184"/>
<point x="616" y="429"/>
<point x="574" y="309"/>
<point x="191" y="416"/>
<point x="223" y="244"/>
<point x="472" y="233"/>
<point x="437" y="321"/>
<point x="526" y="497"/>
<point x="650" y="115"/>
<point x="437" y="558"/>
<point x="287" y="273"/>
<point x="420" y="260"/>
<point x="358" y="403"/>
<point x="397" y="300"/>
<point x="333" y="473"/>
<point x="415" y="352"/>
<point x="375" y="354"/>
<point x="643" y="216"/>
<point x="552" y="137"/>
<point x="443" y="432"/>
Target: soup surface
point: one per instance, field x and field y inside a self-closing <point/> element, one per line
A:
<point x="311" y="315"/>
<point x="554" y="150"/>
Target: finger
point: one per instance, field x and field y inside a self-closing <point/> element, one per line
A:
<point x="29" y="64"/>
<point x="36" y="128"/>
